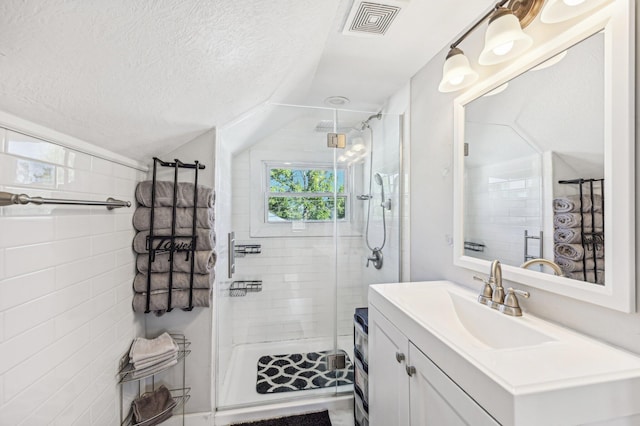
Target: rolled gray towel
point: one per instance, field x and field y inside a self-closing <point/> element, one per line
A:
<point x="150" y="405"/>
<point x="160" y="281"/>
<point x="576" y="252"/>
<point x="205" y="239"/>
<point x="179" y="300"/>
<point x="164" y="194"/>
<point x="568" y="265"/>
<point x="162" y="217"/>
<point x="573" y="220"/>
<point x="202" y="264"/>
<point x="567" y="235"/>
<point x="571" y="204"/>
<point x="591" y="276"/>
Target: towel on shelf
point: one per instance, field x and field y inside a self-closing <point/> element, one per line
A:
<point x="205" y="239"/>
<point x="147" y="407"/>
<point x="571" y="204"/>
<point x="153" y="369"/>
<point x="576" y="252"/>
<point x="164" y="194"/>
<point x="568" y="265"/>
<point x="143" y="349"/>
<point x="155" y="361"/>
<point x="203" y="262"/>
<point x="179" y="300"/>
<point x="162" y="218"/>
<point x="160" y="281"/>
<point x="591" y="276"/>
<point x="573" y="220"/>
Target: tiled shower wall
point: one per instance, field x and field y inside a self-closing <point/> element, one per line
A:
<point x="65" y="285"/>
<point x="501" y="202"/>
<point x="297" y="274"/>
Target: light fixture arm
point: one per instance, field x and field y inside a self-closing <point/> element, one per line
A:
<point x="477" y="24"/>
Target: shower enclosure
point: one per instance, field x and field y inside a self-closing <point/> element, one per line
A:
<point x="311" y="224"/>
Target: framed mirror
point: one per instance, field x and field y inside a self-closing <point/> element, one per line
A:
<point x="544" y="158"/>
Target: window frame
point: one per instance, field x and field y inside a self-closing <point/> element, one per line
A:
<point x="306" y="165"/>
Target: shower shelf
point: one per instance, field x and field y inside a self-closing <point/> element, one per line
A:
<point x="241" y="288"/>
<point x="469" y="245"/>
<point x="180" y="395"/>
<point x="245" y="249"/>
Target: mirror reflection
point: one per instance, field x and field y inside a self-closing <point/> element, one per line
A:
<point x="534" y="167"/>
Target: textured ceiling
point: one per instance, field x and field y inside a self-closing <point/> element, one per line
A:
<point x="143" y="77"/>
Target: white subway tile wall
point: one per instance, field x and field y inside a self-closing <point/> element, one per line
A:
<point x="65" y="285"/>
<point x="505" y="200"/>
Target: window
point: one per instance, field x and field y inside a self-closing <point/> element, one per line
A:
<point x="305" y="193"/>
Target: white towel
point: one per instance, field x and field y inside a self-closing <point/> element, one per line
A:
<point x="143" y="349"/>
<point x="151" y="362"/>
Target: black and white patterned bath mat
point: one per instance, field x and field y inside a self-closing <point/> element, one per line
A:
<point x="292" y="372"/>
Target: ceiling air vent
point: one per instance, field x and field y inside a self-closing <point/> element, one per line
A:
<point x="367" y="18"/>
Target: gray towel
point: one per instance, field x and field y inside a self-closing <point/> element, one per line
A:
<point x="164" y="194"/>
<point x="576" y="252"/>
<point x="203" y="262"/>
<point x="573" y="220"/>
<point x="157" y="368"/>
<point x="205" y="239"/>
<point x="571" y="204"/>
<point x="143" y="349"/>
<point x="149" y="406"/>
<point x="568" y="265"/>
<point x="160" y="281"/>
<point x="591" y="277"/>
<point x="162" y="218"/>
<point x="179" y="300"/>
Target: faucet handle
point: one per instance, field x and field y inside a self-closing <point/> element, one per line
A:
<point x="511" y="305"/>
<point x="487" y="291"/>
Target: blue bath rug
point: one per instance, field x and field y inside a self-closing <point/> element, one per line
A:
<point x="293" y="372"/>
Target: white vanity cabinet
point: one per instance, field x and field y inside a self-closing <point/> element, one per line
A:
<point x="406" y="388"/>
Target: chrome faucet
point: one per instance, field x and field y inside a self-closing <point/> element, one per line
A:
<point x="493" y="294"/>
<point x="495" y="278"/>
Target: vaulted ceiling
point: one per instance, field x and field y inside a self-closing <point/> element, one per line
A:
<point x="143" y="77"/>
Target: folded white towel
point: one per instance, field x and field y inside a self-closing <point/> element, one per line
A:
<point x="143" y="349"/>
<point x="150" y="362"/>
<point x="144" y="372"/>
<point x="571" y="204"/>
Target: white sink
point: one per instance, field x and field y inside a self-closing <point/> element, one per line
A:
<point x="492" y="328"/>
<point x="517" y="368"/>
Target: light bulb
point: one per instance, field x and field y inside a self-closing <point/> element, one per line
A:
<point x="572" y="2"/>
<point x="454" y="80"/>
<point x="503" y="48"/>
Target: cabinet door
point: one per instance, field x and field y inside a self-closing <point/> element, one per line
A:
<point x="388" y="380"/>
<point x="436" y="400"/>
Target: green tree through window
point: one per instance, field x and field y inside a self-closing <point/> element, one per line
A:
<point x="305" y="194"/>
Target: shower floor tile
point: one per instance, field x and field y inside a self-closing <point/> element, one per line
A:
<point x="239" y="385"/>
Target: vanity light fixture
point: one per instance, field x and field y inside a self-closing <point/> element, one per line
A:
<point x="563" y="10"/>
<point x="504" y="40"/>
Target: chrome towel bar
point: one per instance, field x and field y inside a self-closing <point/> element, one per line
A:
<point x="7" y="198"/>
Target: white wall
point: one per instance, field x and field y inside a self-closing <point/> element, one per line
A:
<point x="432" y="215"/>
<point x="65" y="281"/>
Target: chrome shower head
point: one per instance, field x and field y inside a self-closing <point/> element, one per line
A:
<point x="365" y="123"/>
<point x="378" y="178"/>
